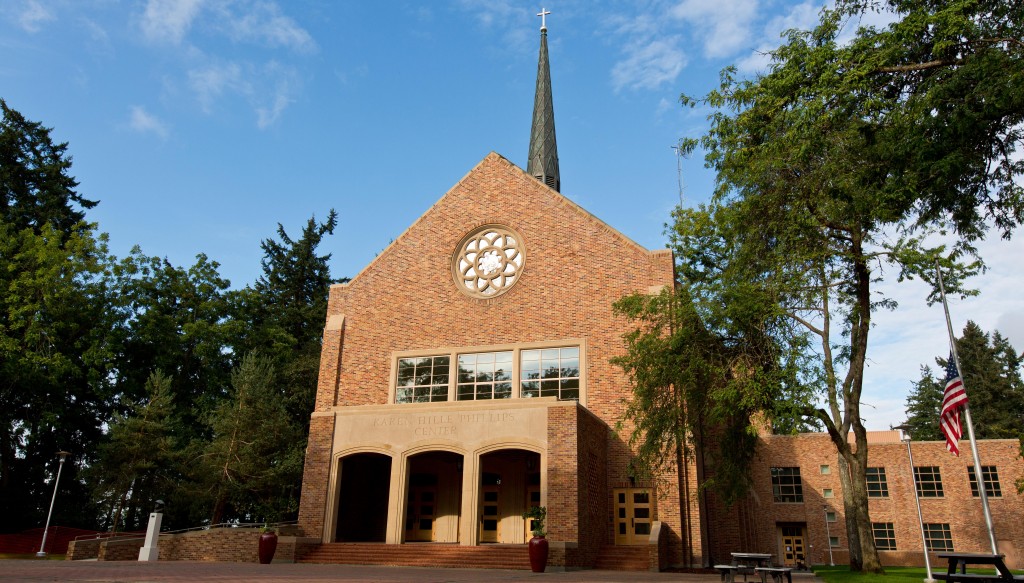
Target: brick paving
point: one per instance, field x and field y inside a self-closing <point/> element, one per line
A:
<point x="30" y="571"/>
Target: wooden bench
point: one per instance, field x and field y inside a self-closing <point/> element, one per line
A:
<point x="777" y="573"/>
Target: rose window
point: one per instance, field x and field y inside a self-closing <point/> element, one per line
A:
<point x="488" y="261"/>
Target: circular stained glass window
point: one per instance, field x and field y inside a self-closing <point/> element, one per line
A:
<point x="488" y="261"/>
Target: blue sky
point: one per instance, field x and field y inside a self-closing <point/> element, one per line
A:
<point x="201" y="124"/>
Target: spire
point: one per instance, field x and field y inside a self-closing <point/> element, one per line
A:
<point x="543" y="160"/>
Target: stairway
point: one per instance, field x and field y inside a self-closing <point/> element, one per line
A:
<point x="445" y="555"/>
<point x="622" y="558"/>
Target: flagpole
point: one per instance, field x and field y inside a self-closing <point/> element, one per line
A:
<point x="967" y="417"/>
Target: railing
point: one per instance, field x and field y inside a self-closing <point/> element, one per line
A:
<point x="142" y="535"/>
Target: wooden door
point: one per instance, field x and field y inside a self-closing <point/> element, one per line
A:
<point x="793" y="553"/>
<point x="633" y="515"/>
<point x="489" y="517"/>
<point x="420" y="513"/>
<point x="532" y="499"/>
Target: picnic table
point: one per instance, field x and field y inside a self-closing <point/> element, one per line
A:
<point x="958" y="562"/>
<point x="759" y="564"/>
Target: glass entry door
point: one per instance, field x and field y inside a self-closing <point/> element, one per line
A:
<point x="633" y="515"/>
<point x="421" y="508"/>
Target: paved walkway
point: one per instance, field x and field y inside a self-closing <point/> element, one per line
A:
<point x="182" y="571"/>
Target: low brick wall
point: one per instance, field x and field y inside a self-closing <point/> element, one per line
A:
<point x="232" y="545"/>
<point x="83" y="549"/>
<point x="120" y="550"/>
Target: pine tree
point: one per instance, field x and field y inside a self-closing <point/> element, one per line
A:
<point x="252" y="452"/>
<point x="991" y="370"/>
<point x="135" y="462"/>
<point x="35" y="185"/>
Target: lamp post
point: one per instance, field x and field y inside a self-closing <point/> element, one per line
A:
<point x="828" y="536"/>
<point x="62" y="454"/>
<point x="905" y="438"/>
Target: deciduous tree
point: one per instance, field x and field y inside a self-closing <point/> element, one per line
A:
<point x="846" y="157"/>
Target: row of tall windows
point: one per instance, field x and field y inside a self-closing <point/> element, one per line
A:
<point x="787" y="487"/>
<point x="525" y="373"/>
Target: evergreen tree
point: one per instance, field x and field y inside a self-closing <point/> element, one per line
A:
<point x="923" y="406"/>
<point x="135" y="460"/>
<point x="992" y="378"/>
<point x="251" y="455"/>
<point x="36" y="187"/>
<point x="285" y="311"/>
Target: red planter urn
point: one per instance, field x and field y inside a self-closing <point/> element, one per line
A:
<point x="538" y="554"/>
<point x="267" y="548"/>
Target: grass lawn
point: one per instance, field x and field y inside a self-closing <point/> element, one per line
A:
<point x="842" y="574"/>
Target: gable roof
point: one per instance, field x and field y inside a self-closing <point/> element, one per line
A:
<point x="490" y="169"/>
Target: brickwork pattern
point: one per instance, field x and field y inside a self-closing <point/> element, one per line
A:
<point x="576" y="266"/>
<point x="594" y="512"/>
<point x="234" y="545"/>
<point x="752" y="526"/>
<point x="330" y="365"/>
<point x="563" y="488"/>
<point x="313" y="503"/>
<point x="120" y="550"/>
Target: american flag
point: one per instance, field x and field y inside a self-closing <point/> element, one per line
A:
<point x="952" y="400"/>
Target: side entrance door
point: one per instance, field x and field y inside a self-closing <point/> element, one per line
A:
<point x="792" y="539"/>
<point x="633" y="515"/>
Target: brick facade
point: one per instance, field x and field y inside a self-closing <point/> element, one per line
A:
<point x="753" y="524"/>
<point x="406" y="301"/>
<point x="407" y="304"/>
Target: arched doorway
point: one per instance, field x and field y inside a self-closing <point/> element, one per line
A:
<point x="509" y="484"/>
<point x="364" y="484"/>
<point x="433" y="497"/>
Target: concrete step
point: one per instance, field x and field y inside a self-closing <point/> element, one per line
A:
<point x="422" y="555"/>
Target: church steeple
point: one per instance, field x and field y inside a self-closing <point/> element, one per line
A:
<point x="543" y="161"/>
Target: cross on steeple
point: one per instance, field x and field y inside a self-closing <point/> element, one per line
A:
<point x="542" y="162"/>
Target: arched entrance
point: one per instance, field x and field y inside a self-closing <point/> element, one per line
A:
<point x="433" y="497"/>
<point x="509" y="484"/>
<point x="364" y="480"/>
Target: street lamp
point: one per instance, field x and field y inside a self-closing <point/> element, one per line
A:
<point x="828" y="537"/>
<point x="905" y="438"/>
<point x="62" y="454"/>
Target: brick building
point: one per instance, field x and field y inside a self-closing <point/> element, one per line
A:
<point x="465" y="376"/>
<point x="795" y="510"/>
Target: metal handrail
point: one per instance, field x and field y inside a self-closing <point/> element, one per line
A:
<point x="139" y="534"/>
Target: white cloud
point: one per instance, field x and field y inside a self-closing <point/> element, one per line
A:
<point x="211" y="82"/>
<point x="915" y="333"/>
<point x="33" y="15"/>
<point x="802" y="16"/>
<point x="167" y="21"/>
<point x="268" y="89"/>
<point x="282" y="83"/>
<point x="491" y="12"/>
<point x="649" y="64"/>
<point x="723" y="25"/>
<point x="263" y="22"/>
<point x="143" y="122"/>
